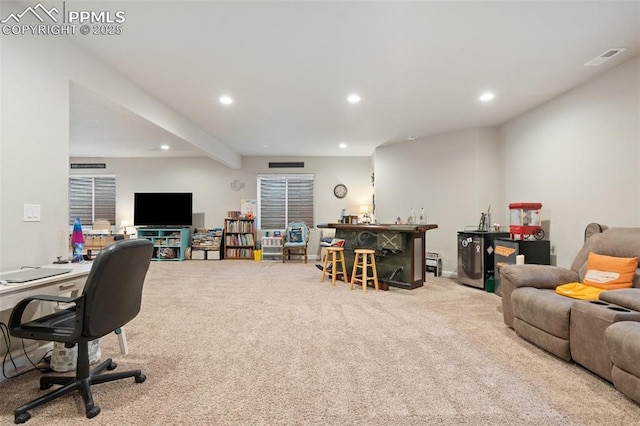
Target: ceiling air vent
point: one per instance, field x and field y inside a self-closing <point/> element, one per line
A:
<point x="287" y="165"/>
<point x="604" y="57"/>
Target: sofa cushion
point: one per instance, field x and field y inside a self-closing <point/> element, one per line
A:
<point x="623" y="343"/>
<point x="580" y="262"/>
<point x="627" y="297"/>
<point x="589" y="320"/>
<point x="543" y="309"/>
<point x="626" y="383"/>
<point x="610" y="272"/>
<point x="557" y="346"/>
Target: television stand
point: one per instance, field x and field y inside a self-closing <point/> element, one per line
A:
<point x="169" y="243"/>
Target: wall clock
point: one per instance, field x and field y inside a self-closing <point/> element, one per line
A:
<point x="340" y="190"/>
<point x="236" y="185"/>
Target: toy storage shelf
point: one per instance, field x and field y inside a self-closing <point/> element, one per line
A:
<point x="271" y="249"/>
<point x="168" y="243"/>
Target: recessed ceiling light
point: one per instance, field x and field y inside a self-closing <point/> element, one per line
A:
<point x="353" y="98"/>
<point x="342" y="145"/>
<point x="412" y="138"/>
<point x="164" y="147"/>
<point x="226" y="100"/>
<point x="486" y="97"/>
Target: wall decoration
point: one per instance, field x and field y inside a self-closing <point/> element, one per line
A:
<point x="236" y="185"/>
<point x="340" y="190"/>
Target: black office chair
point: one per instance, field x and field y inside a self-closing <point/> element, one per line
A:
<point x="111" y="298"/>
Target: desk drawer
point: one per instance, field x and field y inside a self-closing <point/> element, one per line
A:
<point x="71" y="287"/>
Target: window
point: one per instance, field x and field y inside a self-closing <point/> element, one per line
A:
<point x="285" y="198"/>
<point x="91" y="198"/>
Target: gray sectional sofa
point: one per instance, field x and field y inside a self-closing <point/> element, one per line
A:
<point x="601" y="335"/>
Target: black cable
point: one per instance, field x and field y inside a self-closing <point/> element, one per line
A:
<point x="7" y="341"/>
<point x="29" y="359"/>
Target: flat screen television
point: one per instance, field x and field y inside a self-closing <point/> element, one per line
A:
<point x="162" y="209"/>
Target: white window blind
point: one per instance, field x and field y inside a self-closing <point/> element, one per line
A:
<point x="285" y="198"/>
<point x="91" y="198"/>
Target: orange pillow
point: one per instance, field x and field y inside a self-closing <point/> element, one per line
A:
<point x="610" y="272"/>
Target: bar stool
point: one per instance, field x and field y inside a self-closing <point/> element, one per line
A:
<point x="335" y="262"/>
<point x="367" y="259"/>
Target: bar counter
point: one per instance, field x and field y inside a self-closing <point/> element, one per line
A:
<point x="400" y="250"/>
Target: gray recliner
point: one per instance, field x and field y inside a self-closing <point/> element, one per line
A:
<point x="575" y="329"/>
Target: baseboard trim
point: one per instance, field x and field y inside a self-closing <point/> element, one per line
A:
<point x="36" y="353"/>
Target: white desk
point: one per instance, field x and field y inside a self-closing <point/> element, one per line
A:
<point x="70" y="283"/>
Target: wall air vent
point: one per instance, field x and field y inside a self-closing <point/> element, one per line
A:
<point x="88" y="165"/>
<point x="287" y="165"/>
<point x="604" y="57"/>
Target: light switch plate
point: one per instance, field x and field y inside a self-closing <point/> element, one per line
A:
<point x="31" y="213"/>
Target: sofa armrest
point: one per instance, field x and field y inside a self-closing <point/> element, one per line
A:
<point x="537" y="276"/>
<point x="626" y="297"/>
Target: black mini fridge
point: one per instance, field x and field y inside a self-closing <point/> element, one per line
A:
<point x="535" y="251"/>
<point x="475" y="256"/>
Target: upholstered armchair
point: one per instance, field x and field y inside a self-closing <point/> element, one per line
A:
<point x="295" y="239"/>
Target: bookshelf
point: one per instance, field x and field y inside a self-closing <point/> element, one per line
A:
<point x="206" y="244"/>
<point x="239" y="238"/>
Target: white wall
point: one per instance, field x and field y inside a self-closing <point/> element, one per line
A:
<point x="454" y="176"/>
<point x="579" y="155"/>
<point x="36" y="74"/>
<point x="35" y="150"/>
<point x="210" y="182"/>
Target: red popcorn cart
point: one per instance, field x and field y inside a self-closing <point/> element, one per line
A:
<point x="525" y="221"/>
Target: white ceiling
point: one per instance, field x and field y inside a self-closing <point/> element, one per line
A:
<point x="418" y="66"/>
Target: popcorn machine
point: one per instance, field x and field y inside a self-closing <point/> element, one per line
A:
<point x="525" y="221"/>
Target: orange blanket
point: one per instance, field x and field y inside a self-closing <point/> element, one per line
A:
<point x="579" y="291"/>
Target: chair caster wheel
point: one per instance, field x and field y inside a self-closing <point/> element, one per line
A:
<point x="45" y="386"/>
<point x="22" y="418"/>
<point x="140" y="378"/>
<point x="91" y="413"/>
<point x="112" y="366"/>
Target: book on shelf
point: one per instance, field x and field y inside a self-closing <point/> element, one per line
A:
<point x="239" y="240"/>
<point x="239" y="226"/>
<point x="239" y="253"/>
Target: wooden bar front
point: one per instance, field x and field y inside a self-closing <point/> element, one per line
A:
<point x="400" y="250"/>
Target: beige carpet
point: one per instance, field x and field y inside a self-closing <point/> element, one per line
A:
<point x="242" y="342"/>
